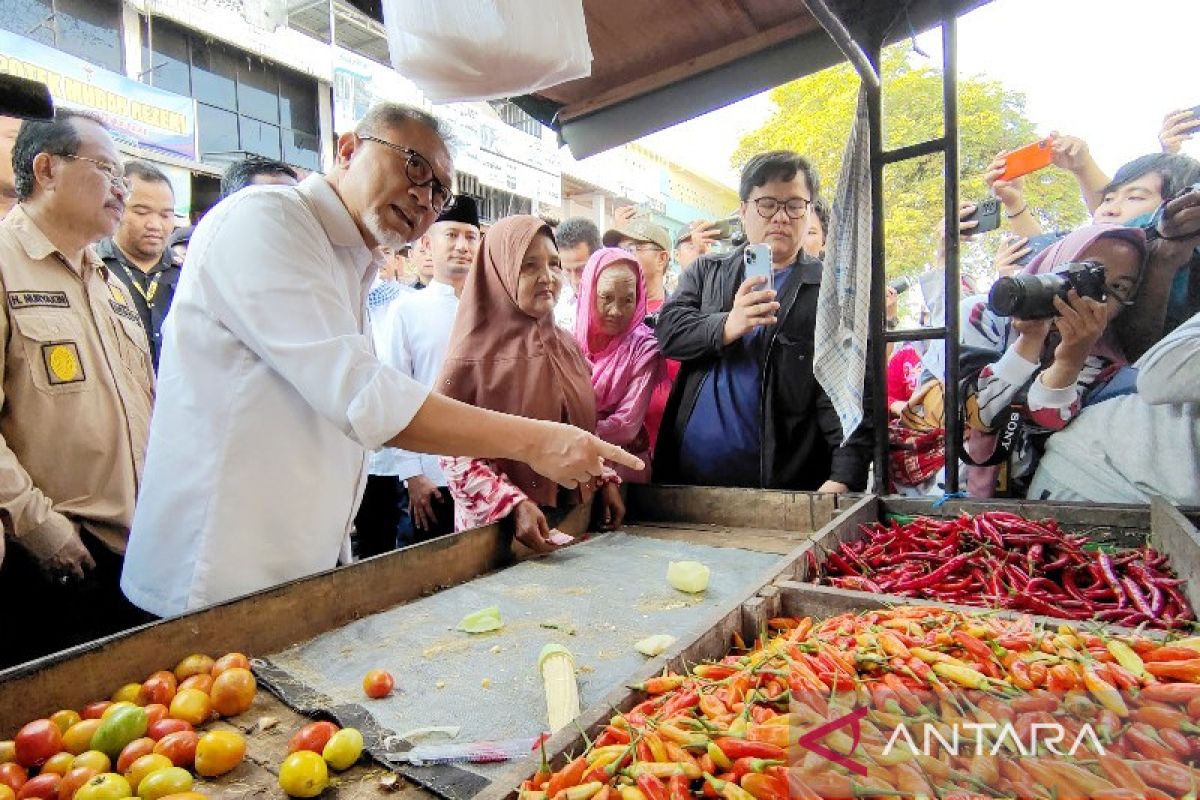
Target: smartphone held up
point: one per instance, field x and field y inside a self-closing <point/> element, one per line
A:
<point x="758" y="265"/>
<point x="1027" y="159"/>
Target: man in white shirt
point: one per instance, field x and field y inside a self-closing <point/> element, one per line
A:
<point x="414" y="340"/>
<point x="270" y="393"/>
<point x="578" y="238"/>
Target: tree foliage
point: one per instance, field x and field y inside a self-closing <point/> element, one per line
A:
<point x="813" y="117"/>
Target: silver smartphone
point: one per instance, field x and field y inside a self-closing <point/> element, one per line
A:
<point x="758" y="264"/>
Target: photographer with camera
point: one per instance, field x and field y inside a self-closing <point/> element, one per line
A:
<point x="1040" y="344"/>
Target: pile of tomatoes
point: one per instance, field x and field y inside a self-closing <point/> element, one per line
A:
<point x="142" y="743"/>
<point x="312" y="752"/>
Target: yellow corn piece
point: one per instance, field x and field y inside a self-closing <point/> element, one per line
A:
<point x="557" y="668"/>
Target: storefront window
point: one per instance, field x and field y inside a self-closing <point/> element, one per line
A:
<point x="87" y="29"/>
<point x="245" y="104"/>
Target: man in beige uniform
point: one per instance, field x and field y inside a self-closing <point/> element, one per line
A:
<point x="77" y="393"/>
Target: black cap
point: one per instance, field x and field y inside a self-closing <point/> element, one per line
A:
<point x="464" y="210"/>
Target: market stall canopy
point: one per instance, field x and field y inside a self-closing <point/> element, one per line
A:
<point x="657" y="64"/>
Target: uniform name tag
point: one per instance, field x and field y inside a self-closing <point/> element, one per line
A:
<point x="32" y="299"/>
<point x="125" y="311"/>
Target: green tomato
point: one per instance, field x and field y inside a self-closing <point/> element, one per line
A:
<point x="119" y="729"/>
<point x="343" y="749"/>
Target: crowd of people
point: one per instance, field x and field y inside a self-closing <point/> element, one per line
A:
<point x="333" y="366"/>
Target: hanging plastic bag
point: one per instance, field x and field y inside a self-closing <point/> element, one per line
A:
<point x="485" y="49"/>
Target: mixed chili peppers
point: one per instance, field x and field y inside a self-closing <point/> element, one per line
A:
<point x="1002" y="560"/>
<point x="729" y="730"/>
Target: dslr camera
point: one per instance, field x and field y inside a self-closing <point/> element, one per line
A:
<point x="1032" y="296"/>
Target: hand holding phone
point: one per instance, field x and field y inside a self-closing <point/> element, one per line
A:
<point x="987" y="214"/>
<point x="1178" y="127"/>
<point x="754" y="304"/>
<point x="1027" y="159"/>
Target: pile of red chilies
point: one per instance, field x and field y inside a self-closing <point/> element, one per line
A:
<point x="999" y="559"/>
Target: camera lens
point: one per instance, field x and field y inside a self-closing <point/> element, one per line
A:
<point x="1026" y="296"/>
<point x="1006" y="296"/>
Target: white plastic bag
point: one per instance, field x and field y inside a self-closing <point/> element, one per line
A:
<point x="460" y="50"/>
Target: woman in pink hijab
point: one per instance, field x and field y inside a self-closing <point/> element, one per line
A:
<point x="626" y="363"/>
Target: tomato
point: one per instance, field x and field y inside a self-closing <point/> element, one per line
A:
<point x="144" y="766"/>
<point x="7" y="793"/>
<point x="119" y="728"/>
<point x="73" y="780"/>
<point x="117" y="706"/>
<point x="37" y="741"/>
<point x="8" y="751"/>
<point x="43" y="786"/>
<point x="202" y="682"/>
<point x="65" y="719"/>
<point x="133" y="751"/>
<point x="93" y="759"/>
<point x="343" y="749"/>
<point x="95" y="710"/>
<point x="158" y="730"/>
<point x="303" y="774"/>
<point x="154" y="712"/>
<point x="313" y="736"/>
<point x="163" y="782"/>
<point x="59" y="763"/>
<point x="105" y="786"/>
<point x="179" y="747"/>
<point x="159" y="688"/>
<point x="13" y="775"/>
<point x="193" y="665"/>
<point x="218" y="752"/>
<point x="233" y="691"/>
<point x="230" y="661"/>
<point x="378" y="683"/>
<point x="185" y="796"/>
<point x="78" y="737"/>
<point x="191" y="705"/>
<point x="127" y="693"/>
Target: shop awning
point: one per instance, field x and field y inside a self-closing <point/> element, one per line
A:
<point x="660" y="63"/>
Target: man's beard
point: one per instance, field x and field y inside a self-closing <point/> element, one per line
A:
<point x="383" y="236"/>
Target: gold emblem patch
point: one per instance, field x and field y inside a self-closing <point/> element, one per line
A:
<point x="62" y="363"/>
<point x="117" y="294"/>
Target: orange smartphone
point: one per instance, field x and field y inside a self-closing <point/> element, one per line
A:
<point x="1027" y="159"/>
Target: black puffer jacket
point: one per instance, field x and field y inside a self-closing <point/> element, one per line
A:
<point x="801" y="446"/>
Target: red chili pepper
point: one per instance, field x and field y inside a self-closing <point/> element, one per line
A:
<point x="652" y="787"/>
<point x="740" y="748"/>
<point x="679" y="788"/>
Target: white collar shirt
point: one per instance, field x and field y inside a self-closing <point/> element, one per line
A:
<point x="270" y="399"/>
<point x="566" y="308"/>
<point x="414" y="339"/>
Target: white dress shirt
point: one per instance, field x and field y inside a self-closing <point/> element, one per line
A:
<point x="414" y="339"/>
<point x="270" y="397"/>
<point x="566" y="308"/>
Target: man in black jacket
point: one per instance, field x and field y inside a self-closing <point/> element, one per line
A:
<point x="746" y="409"/>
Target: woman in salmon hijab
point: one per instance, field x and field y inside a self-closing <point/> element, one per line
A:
<point x="507" y="354"/>
<point x="626" y="363"/>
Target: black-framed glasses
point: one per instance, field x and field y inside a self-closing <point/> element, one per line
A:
<point x="420" y="172"/>
<point x="114" y="172"/>
<point x="768" y="207"/>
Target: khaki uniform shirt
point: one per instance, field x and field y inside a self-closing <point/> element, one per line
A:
<point x="77" y="393"/>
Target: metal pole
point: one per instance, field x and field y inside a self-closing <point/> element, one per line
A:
<point x="833" y="25"/>
<point x="878" y="326"/>
<point x="953" y="283"/>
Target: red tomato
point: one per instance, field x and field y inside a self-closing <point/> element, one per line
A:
<point x="313" y="736"/>
<point x="43" y="786"/>
<point x="378" y="684"/>
<point x="179" y="747"/>
<point x="159" y="688"/>
<point x="155" y="712"/>
<point x="74" y="780"/>
<point x="229" y="661"/>
<point x="233" y="691"/>
<point x="13" y="775"/>
<point x="37" y="741"/>
<point x="158" y="730"/>
<point x="95" y="710"/>
<point x="133" y="751"/>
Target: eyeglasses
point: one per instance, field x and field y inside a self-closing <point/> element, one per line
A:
<point x="420" y="172"/>
<point x="641" y="248"/>
<point x="769" y="206"/>
<point x="114" y="172"/>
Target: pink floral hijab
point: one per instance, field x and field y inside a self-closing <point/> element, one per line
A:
<point x="622" y="357"/>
